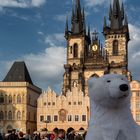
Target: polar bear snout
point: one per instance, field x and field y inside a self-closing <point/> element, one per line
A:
<point x="124" y="87"/>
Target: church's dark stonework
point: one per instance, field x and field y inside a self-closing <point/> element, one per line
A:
<point x="86" y="56"/>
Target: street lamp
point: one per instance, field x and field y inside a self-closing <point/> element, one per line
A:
<point x="46" y="121"/>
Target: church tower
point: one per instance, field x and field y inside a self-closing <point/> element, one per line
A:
<point x="85" y="56"/>
<point x="116" y="39"/>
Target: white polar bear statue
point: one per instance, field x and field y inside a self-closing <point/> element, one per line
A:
<point x="111" y="117"/>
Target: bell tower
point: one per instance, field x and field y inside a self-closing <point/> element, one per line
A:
<point x="78" y="41"/>
<point x="116" y="39"/>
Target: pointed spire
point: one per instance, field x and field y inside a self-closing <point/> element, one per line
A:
<point x="72" y="17"/>
<point x="88" y="31"/>
<point x="116" y="7"/>
<point x="110" y="12"/>
<point x="122" y="11"/>
<point x="105" y="24"/>
<point x="66" y="28"/>
<point x="84" y="22"/>
<point x="125" y="21"/>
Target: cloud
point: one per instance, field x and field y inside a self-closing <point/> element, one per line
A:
<point x="94" y="3"/>
<point x="134" y="51"/>
<point x="21" y="3"/>
<point x="61" y="18"/>
<point x="55" y="39"/>
<point x="46" y="68"/>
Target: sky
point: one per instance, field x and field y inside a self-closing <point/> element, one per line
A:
<point x="33" y="31"/>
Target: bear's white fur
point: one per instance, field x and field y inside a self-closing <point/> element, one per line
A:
<point x="111" y="117"/>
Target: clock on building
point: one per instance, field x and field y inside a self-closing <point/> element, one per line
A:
<point x="94" y="47"/>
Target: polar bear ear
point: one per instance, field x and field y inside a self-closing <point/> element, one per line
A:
<point x="92" y="81"/>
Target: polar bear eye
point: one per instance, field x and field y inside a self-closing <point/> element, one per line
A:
<point x="108" y="81"/>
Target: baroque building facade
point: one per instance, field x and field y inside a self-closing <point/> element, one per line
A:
<point x="18" y="100"/>
<point x="86" y="58"/>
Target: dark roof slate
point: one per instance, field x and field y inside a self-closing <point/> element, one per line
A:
<point x="18" y="73"/>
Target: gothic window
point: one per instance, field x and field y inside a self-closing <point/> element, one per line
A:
<point x="71" y="49"/>
<point x="115" y="47"/>
<point x="9" y="115"/>
<point x="18" y="99"/>
<point x="10" y="99"/>
<point x="1" y="115"/>
<point x="1" y="99"/>
<point x="18" y="115"/>
<point x="75" y="47"/>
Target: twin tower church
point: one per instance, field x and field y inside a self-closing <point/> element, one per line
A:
<point x="24" y="107"/>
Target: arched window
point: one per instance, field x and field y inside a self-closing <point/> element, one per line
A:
<point x="115" y="47"/>
<point x="10" y="99"/>
<point x="1" y="99"/>
<point x="9" y="115"/>
<point x="71" y="49"/>
<point x="1" y="115"/>
<point x="18" y="99"/>
<point x="75" y="53"/>
<point x="18" y="115"/>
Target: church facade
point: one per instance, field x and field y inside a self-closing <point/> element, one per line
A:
<point x="86" y="58"/>
<point x="23" y="107"/>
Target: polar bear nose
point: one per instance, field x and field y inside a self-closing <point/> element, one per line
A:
<point x="124" y="87"/>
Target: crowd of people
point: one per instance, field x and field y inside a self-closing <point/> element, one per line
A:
<point x="56" y="134"/>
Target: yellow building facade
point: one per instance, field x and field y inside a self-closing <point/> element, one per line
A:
<point x="63" y="111"/>
<point x="18" y="100"/>
<point x="135" y="100"/>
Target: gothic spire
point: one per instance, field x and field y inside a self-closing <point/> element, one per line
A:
<point x="105" y="24"/>
<point x="116" y="7"/>
<point x="110" y="12"/>
<point x="78" y="19"/>
<point x="116" y="15"/>
<point x="122" y="11"/>
<point x="66" y="28"/>
<point x="125" y="21"/>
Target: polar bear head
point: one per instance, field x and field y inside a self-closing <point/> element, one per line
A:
<point x="111" y="90"/>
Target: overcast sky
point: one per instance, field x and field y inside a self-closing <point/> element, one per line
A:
<point x="33" y="31"/>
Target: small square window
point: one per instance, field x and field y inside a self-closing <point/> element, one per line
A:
<point x="74" y="103"/>
<point x="49" y="103"/>
<point x="53" y="103"/>
<point x="41" y="118"/>
<point x="83" y="117"/>
<point x="55" y="118"/>
<point x="69" y="103"/>
<point x="80" y="103"/>
<point x="45" y="104"/>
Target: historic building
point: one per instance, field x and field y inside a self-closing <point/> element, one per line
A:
<point x="86" y="58"/>
<point x="18" y="100"/>
<point x="23" y="108"/>
<point x="63" y="111"/>
<point x="135" y="100"/>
